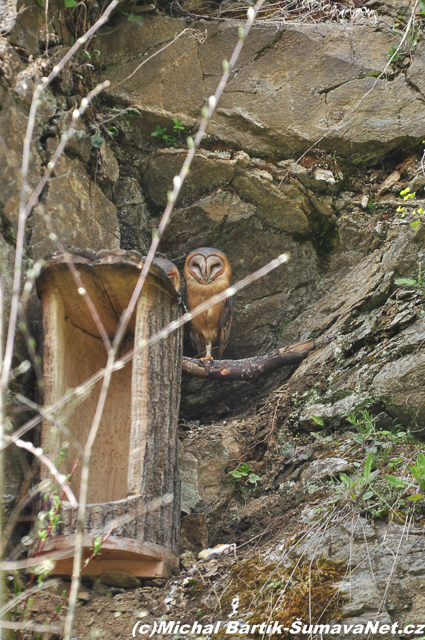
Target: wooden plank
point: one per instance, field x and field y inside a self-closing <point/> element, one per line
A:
<point x="114" y="547"/>
<point x="140" y="397"/>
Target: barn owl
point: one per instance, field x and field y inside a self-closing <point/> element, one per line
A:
<point x="207" y="272"/>
<point x="171" y="271"/>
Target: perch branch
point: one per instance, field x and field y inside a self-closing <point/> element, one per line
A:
<point x="249" y="368"/>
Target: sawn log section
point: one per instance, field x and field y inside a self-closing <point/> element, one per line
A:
<point x="250" y="368"/>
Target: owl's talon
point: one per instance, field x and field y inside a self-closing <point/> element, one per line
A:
<point x="207" y="358"/>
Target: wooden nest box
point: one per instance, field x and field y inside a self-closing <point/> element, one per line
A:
<point x="134" y="479"/>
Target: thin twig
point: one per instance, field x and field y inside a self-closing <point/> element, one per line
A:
<point x="38" y="587"/>
<point x="20" y="241"/>
<point x="27" y="625"/>
<point x="38" y="452"/>
<point x="356" y="106"/>
<point x="179" y="180"/>
<point x="49" y="416"/>
<point x="194" y="32"/>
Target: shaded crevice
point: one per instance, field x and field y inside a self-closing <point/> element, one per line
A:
<point x="418" y="93"/>
<point x="389" y="78"/>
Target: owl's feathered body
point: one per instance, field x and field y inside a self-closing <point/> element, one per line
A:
<point x="207" y="272"/>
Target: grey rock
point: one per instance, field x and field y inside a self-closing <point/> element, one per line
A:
<point x="266" y="106"/>
<point x="83" y="216"/>
<point x="132" y="214"/>
<point x="188" y="466"/>
<point x="320" y="469"/>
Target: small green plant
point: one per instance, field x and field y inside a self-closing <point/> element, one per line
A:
<point x="408" y="44"/>
<point x="321" y="439"/>
<point x="291" y="452"/>
<point x="410" y="282"/>
<point x="398" y="57"/>
<point x="418" y="472"/>
<point x="354" y="487"/>
<point x="243" y="475"/>
<point x="131" y="17"/>
<point x="170" y="140"/>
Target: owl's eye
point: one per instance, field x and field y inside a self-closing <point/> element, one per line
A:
<point x="215" y="268"/>
<point x="196" y="269"/>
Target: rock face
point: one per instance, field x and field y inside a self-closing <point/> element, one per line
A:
<point x="293" y="85"/>
<point x="334" y="211"/>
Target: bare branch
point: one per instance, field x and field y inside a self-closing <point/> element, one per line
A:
<point x="249" y="368"/>
<point x="38" y="452"/>
<point x="17" y="274"/>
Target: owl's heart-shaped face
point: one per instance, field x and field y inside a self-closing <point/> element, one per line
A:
<point x="205" y="268"/>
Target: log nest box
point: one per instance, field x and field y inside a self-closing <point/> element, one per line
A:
<point x="134" y="478"/>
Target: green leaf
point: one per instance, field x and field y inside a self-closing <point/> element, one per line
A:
<point x="253" y="478"/>
<point x="137" y="19"/>
<point x="96" y="141"/>
<point x="368" y="495"/>
<point x="288" y="450"/>
<point x="368" y="466"/>
<point x="178" y="125"/>
<point x="244" y="468"/>
<point x="317" y="420"/>
<point x="159" y="131"/>
<point x="408" y="281"/>
<point x="113" y="131"/>
<point x="416" y="496"/>
<point x="131" y="111"/>
<point x="70" y="3"/>
<point x="358" y="439"/>
<point x="395" y="482"/>
<point x="41" y="3"/>
<point x="415" y="224"/>
<point x="422" y="5"/>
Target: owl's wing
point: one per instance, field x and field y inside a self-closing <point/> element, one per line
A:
<point x="195" y="338"/>
<point x="225" y="324"/>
